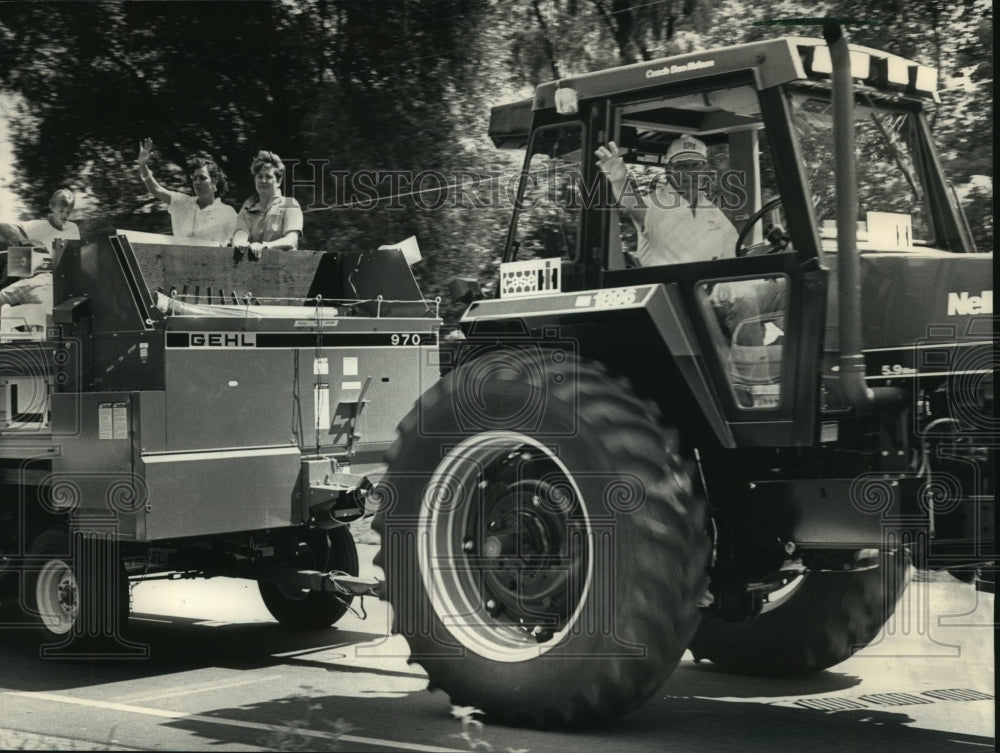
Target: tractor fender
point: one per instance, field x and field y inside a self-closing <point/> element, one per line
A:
<point x="597" y="324"/>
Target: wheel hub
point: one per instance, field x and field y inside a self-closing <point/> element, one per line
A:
<point x="512" y="559"/>
<point x="527" y="558"/>
<point x="57" y="597"/>
<point x="304" y="557"/>
<point x="67" y="594"/>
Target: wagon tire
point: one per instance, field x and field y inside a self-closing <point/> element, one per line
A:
<point x="314" y="610"/>
<point x="78" y="600"/>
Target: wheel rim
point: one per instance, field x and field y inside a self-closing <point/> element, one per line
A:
<point x="57" y="597"/>
<point x="505" y="546"/>
<point x="785" y="589"/>
<point x="293" y="594"/>
<point x="304" y="558"/>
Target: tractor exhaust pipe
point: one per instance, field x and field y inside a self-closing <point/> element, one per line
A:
<point x="858" y="394"/>
<point x="852" y="361"/>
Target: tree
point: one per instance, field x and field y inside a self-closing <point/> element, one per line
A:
<point x="363" y="86"/>
<point x="954" y="38"/>
<point x="225" y="79"/>
<point x="394" y="89"/>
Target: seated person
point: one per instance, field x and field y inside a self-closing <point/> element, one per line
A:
<point x="30" y="300"/>
<point x="679" y="223"/>
<point x="201" y="216"/>
<point x="56" y="224"/>
<point x="676" y="223"/>
<point x="10" y="235"/>
<point x="739" y="300"/>
<point x="268" y="220"/>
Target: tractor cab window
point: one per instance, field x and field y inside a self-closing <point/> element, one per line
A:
<point x="549" y="205"/>
<point x="702" y="186"/>
<point x="746" y="319"/>
<point x="892" y="204"/>
<point x="701" y="182"/>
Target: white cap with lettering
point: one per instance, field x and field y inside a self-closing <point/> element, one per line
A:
<point x="687" y="148"/>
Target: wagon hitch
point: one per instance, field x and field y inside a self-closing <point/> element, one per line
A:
<point x="356" y="586"/>
<point x="333" y="582"/>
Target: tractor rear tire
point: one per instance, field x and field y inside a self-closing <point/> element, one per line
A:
<point x="543" y="565"/>
<point x="824" y="619"/>
<point x="314" y="610"/>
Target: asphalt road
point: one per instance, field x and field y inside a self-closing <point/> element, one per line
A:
<point x="223" y="676"/>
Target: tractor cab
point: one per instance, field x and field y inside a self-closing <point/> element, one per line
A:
<point x="744" y="246"/>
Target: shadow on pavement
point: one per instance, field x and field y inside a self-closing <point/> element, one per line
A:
<point x="700" y="708"/>
<point x="705" y="680"/>
<point x="315" y="722"/>
<point x="176" y="644"/>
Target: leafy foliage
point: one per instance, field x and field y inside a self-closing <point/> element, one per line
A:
<point x="383" y="87"/>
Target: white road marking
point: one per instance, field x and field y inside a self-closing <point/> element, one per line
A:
<point x="108" y="705"/>
<point x="200" y="689"/>
<point x="165" y="714"/>
<point x="966" y="742"/>
<point x="311" y="650"/>
<point x="14" y="739"/>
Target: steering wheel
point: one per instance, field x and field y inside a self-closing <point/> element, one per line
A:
<point x="776" y="235"/>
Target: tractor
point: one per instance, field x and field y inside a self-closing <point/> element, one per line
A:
<point x="614" y="470"/>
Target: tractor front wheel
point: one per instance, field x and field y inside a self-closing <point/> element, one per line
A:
<point x="541" y="543"/>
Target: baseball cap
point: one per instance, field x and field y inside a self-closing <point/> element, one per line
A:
<point x="686" y="148"/>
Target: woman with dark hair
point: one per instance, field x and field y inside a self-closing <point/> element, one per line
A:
<point x="201" y="216"/>
<point x="268" y="220"/>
